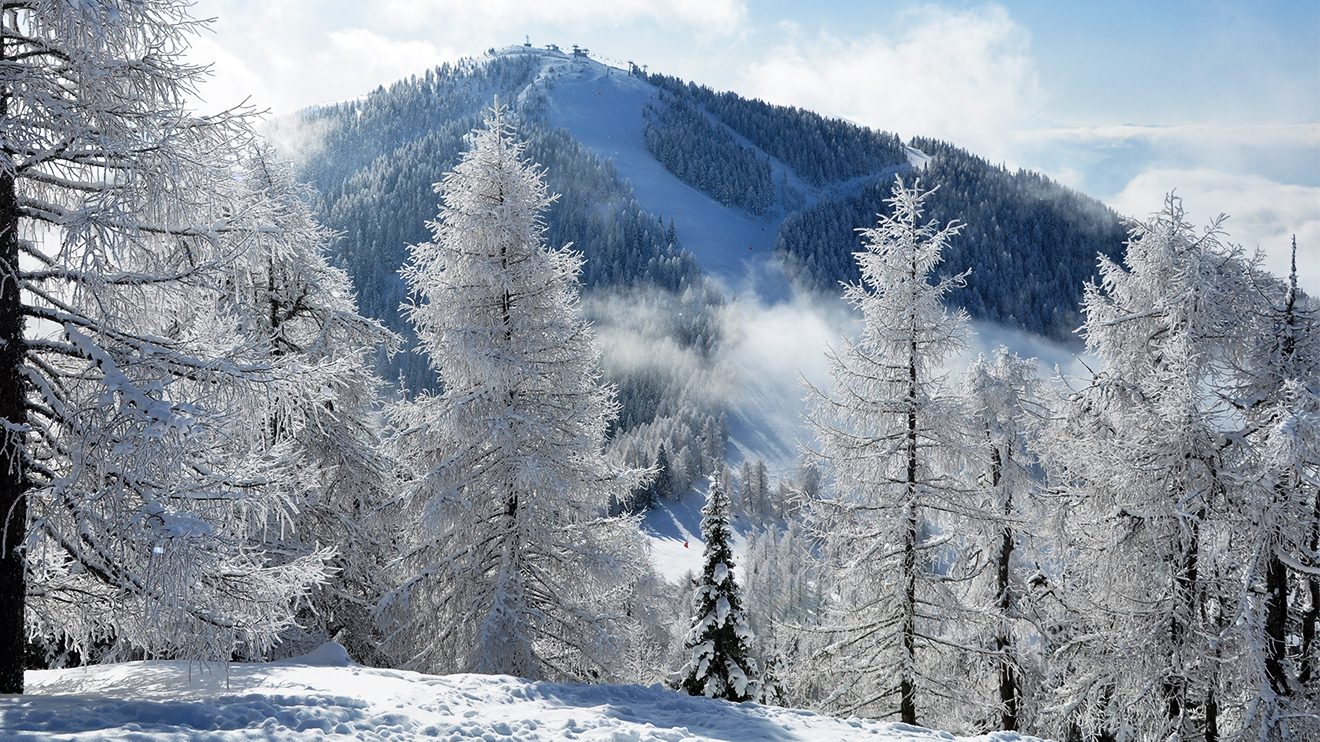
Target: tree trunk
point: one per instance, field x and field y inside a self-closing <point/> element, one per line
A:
<point x="13" y="416"/>
<point x="1009" y="691"/>
<point x="1276" y="625"/>
<point x="907" y="707"/>
<point x="1186" y="580"/>
<point x="1311" y="619"/>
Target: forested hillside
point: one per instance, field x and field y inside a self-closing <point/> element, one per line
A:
<point x="1029" y="242"/>
<point x="820" y="150"/>
<point x="377" y="161"/>
<point x="379" y="156"/>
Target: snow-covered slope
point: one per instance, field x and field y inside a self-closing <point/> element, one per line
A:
<point x="603" y="108"/>
<point x="324" y="695"/>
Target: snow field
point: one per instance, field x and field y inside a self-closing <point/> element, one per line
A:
<point x="324" y="695"/>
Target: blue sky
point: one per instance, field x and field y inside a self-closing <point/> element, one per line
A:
<point x="1123" y="100"/>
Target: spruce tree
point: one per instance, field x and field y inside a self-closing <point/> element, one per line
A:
<point x="719" y="643"/>
<point x="662" y="486"/>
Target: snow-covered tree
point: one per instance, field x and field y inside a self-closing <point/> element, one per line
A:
<point x="720" y="661"/>
<point x="662" y="486"/>
<point x="510" y="563"/>
<point x="289" y="298"/>
<point x="128" y="503"/>
<point x="754" y="487"/>
<point x="1276" y="506"/>
<point x="1141" y="452"/>
<point x="891" y="434"/>
<point x="1003" y="400"/>
<point x="781" y="589"/>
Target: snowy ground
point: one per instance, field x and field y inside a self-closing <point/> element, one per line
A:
<point x="674" y="531"/>
<point x="324" y="695"/>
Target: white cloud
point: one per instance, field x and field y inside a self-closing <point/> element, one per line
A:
<point x="295" y="53"/>
<point x="374" y="58"/>
<point x="1263" y="213"/>
<point x="712" y="16"/>
<point x="966" y="76"/>
<point x="1110" y="156"/>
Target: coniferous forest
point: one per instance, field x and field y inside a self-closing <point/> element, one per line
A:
<point x="253" y="402"/>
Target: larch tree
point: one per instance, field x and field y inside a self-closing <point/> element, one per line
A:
<point x="127" y="502"/>
<point x="1003" y="400"/>
<point x="1277" y="509"/>
<point x="302" y="313"/>
<point x="720" y="662"/>
<point x="781" y="589"/>
<point x="890" y="432"/>
<point x="1141" y="452"/>
<point x="511" y="564"/>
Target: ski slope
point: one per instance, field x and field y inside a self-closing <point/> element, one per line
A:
<point x="324" y="695"/>
<point x="603" y="108"/>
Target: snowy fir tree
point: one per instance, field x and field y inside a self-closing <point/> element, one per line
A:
<point x="129" y="500"/>
<point x="720" y="662"/>
<point x="510" y="564"/>
<point x="892" y="434"/>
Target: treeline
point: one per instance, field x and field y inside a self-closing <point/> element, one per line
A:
<point x="1126" y="555"/>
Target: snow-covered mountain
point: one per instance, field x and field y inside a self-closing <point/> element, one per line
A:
<point x="325" y="695"/>
<point x="715" y="231"/>
<point x="683" y="158"/>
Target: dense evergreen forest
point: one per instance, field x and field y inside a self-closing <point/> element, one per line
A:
<point x="1029" y="242"/>
<point x="821" y="150"/>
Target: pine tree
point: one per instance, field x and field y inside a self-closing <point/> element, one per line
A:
<point x="510" y="564"/>
<point x="663" y="484"/>
<point x="720" y="663"/>
<point x="119" y="355"/>
<point x="890" y="433"/>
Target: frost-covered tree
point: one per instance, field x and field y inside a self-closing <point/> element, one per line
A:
<point x="891" y="434"/>
<point x="510" y="563"/>
<point x="720" y="662"/>
<point x="754" y="488"/>
<point x="662" y="486"/>
<point x="1143" y="454"/>
<point x="128" y="503"/>
<point x="1277" y="509"/>
<point x="304" y="314"/>
<point x="1003" y="400"/>
<point x="781" y="589"/>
